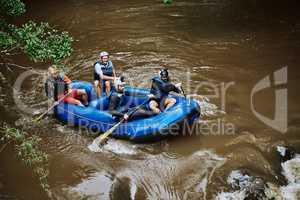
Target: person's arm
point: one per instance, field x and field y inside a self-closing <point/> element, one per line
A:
<point x="116" y="113"/>
<point x="108" y="78"/>
<point x="72" y="100"/>
<point x="176" y="89"/>
<point x="67" y="79"/>
<point x="119" y="114"/>
<point x="114" y="71"/>
<point x="100" y="73"/>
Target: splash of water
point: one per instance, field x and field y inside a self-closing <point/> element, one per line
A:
<point x="291" y="170"/>
<point x="237" y="195"/>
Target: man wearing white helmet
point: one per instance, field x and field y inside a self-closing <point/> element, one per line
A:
<point x="104" y="74"/>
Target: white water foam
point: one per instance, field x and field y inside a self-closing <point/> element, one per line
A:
<point x="291" y="192"/>
<point x="291" y="170"/>
<point x="237" y="195"/>
<point x="120" y="147"/>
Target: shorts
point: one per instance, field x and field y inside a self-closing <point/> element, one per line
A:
<point x="96" y="77"/>
<point x="102" y="85"/>
<point x="72" y="96"/>
<point x="160" y="102"/>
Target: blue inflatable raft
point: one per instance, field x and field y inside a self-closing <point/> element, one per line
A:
<point x="95" y="117"/>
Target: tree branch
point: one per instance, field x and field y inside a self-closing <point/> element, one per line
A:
<point x="15" y="65"/>
<point x="3" y="147"/>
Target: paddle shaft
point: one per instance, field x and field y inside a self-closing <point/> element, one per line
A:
<point x="56" y="103"/>
<point x="183" y="92"/>
<point x="103" y="136"/>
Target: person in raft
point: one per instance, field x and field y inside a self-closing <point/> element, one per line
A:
<point x="104" y="74"/>
<point x="119" y="110"/>
<point x="160" y="89"/>
<point x="63" y="90"/>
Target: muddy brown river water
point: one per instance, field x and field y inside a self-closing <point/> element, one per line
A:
<point x="213" y="50"/>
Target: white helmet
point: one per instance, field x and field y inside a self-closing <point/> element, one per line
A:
<point x="103" y="53"/>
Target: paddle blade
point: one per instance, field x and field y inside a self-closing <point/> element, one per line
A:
<point x="94" y="147"/>
<point x="37" y="119"/>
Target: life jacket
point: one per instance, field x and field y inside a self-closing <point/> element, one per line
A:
<point x="55" y="88"/>
<point x="107" y="69"/>
<point x="157" y="83"/>
<point x="49" y="88"/>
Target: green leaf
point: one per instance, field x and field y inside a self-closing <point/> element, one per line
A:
<point x="12" y="7"/>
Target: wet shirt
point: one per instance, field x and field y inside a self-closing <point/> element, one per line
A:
<point x="115" y="104"/>
<point x="161" y="89"/>
<point x="62" y="89"/>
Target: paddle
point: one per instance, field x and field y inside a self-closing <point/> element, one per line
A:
<point x="55" y="104"/>
<point x="100" y="139"/>
<point x="181" y="88"/>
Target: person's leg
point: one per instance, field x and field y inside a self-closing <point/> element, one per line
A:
<point x="169" y="102"/>
<point x="97" y="86"/>
<point x="71" y="98"/>
<point x="140" y="114"/>
<point x="107" y="87"/>
<point x="82" y="93"/>
<point x="154" y="106"/>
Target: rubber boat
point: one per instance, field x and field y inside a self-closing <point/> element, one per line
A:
<point x="96" y="117"/>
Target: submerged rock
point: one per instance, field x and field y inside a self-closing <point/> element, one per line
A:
<point x="286" y="153"/>
<point x="248" y="187"/>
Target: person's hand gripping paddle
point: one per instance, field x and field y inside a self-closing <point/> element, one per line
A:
<point x="100" y="140"/>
